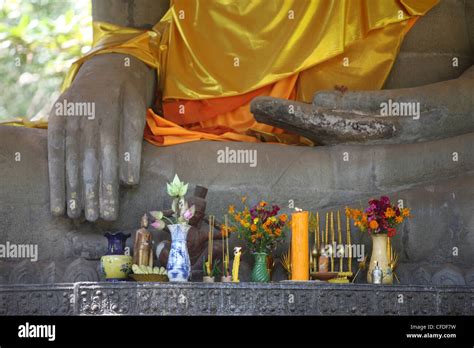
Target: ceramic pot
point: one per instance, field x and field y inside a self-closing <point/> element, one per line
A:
<point x="260" y="270"/>
<point x="116" y="243"/>
<point x="116" y="267"/>
<point x="179" y="264"/>
<point x="207" y="279"/>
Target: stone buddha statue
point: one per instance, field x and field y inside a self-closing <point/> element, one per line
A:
<point x="426" y="163"/>
<point x="89" y="158"/>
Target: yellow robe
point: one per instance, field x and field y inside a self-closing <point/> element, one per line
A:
<point x="217" y="49"/>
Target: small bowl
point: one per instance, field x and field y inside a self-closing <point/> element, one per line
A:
<point x="324" y="275"/>
<point x="149" y="277"/>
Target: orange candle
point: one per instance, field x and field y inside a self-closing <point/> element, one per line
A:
<point x="299" y="246"/>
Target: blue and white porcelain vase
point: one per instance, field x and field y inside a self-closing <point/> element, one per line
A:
<point x="179" y="264"/>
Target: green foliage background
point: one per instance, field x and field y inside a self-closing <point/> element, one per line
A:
<point x="39" y="39"/>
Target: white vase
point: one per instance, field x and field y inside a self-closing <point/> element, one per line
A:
<point x="179" y="264"/>
<point x="380" y="256"/>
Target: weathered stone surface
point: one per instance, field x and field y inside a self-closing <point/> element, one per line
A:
<point x="284" y="298"/>
<point x="427" y="52"/>
<point x="448" y="275"/>
<point x="37" y="299"/>
<point x="438" y="189"/>
<point x="141" y="14"/>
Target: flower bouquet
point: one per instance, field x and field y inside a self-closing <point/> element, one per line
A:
<point x="262" y="228"/>
<point x="379" y="219"/>
<point x="381" y="216"/>
<point x="179" y="264"/>
<point x="180" y="213"/>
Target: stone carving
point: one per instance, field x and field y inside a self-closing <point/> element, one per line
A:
<point x="81" y="270"/>
<point x="469" y="277"/>
<point x="421" y="277"/>
<point x="37" y="300"/>
<point x="448" y="275"/>
<point x="23" y="273"/>
<point x="48" y="273"/>
<point x="234" y="299"/>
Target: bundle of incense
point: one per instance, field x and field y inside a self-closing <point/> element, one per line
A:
<point x="327" y="222"/>
<point x="318" y="242"/>
<point x="226" y="257"/>
<point x="339" y="241"/>
<point x="210" y="245"/>
<point x="332" y="241"/>
<point x="348" y="242"/>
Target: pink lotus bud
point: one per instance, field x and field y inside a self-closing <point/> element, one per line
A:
<point x="189" y="213"/>
<point x="158" y="224"/>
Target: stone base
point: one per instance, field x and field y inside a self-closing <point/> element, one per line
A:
<point x="282" y="298"/>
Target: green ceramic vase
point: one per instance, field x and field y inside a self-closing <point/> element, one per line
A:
<point x="260" y="270"/>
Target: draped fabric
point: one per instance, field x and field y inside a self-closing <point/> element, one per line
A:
<point x="213" y="57"/>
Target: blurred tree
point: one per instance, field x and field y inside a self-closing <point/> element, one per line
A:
<point x="39" y="39"/>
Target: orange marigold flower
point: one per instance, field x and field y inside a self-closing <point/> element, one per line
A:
<point x="389" y="212"/>
<point x="278" y="232"/>
<point x="224" y="230"/>
<point x="253" y="228"/>
<point x="399" y="219"/>
<point x="374" y="224"/>
<point x="263" y="203"/>
<point x="283" y="217"/>
<point x="231" y="209"/>
<point x="406" y="212"/>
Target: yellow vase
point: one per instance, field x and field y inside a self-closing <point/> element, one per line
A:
<point x="380" y="256"/>
<point x="116" y="267"/>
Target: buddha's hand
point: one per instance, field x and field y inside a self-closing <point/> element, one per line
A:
<point x="95" y="136"/>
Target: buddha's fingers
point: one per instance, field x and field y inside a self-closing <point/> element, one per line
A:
<point x="73" y="165"/>
<point x="90" y="167"/>
<point x="110" y="117"/>
<point x="56" y="153"/>
<point x="133" y="123"/>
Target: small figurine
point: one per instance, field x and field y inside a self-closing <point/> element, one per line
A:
<point x="377" y="274"/>
<point x="323" y="260"/>
<point x="143" y="248"/>
<point x="236" y="265"/>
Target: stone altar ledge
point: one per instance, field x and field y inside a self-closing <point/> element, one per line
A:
<point x="278" y="298"/>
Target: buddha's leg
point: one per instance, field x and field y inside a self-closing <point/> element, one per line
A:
<point x="438" y="110"/>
